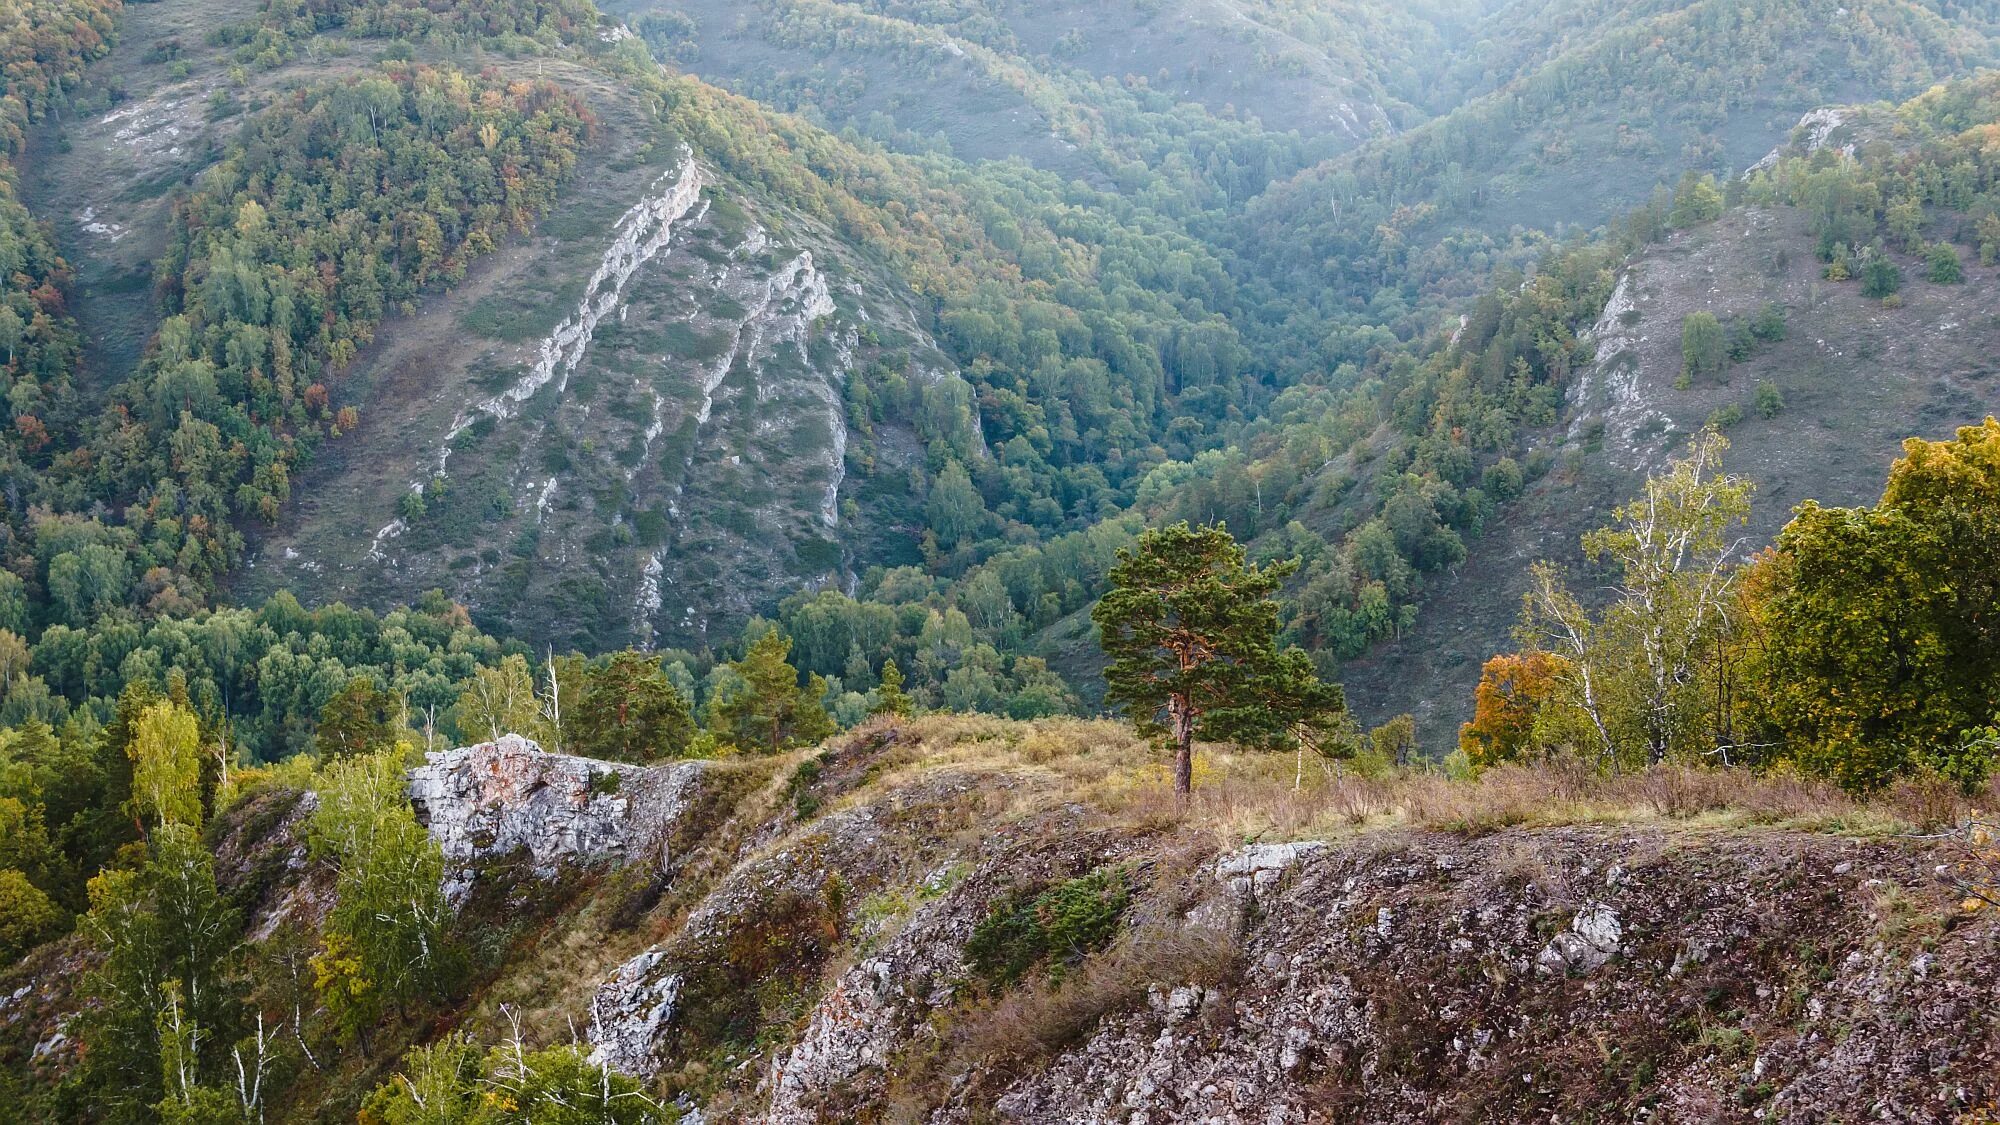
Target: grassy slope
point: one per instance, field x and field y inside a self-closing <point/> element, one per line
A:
<point x="905" y="834"/>
<point x="140" y="132"/>
<point x="1857" y="378"/>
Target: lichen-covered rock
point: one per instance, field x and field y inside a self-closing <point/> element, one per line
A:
<point x="1591" y="941"/>
<point x="506" y="797"/>
<point x="839" y="1063"/>
<point x="1258" y="867"/>
<point x="628" y="1011"/>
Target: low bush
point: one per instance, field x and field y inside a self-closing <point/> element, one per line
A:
<point x="1057" y="927"/>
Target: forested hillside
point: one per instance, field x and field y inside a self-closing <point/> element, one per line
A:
<point x="789" y="356"/>
<point x="780" y="411"/>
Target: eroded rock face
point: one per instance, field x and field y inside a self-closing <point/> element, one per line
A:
<point x="840" y="1063"/>
<point x="629" y="1011"/>
<point x="506" y="797"/>
<point x="1258" y="867"/>
<point x="1408" y="981"/>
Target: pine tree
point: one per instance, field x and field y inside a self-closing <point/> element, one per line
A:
<point x="1192" y="630"/>
<point x="631" y="712"/>
<point x="890" y="698"/>
<point x="769" y="710"/>
<point x="359" y="719"/>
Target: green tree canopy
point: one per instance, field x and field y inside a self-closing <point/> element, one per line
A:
<point x="768" y="709"/>
<point x="384" y="942"/>
<point x="631" y="712"/>
<point x="1191" y="630"/>
<point x="360" y="719"/>
<point x="1881" y="626"/>
<point x="1636" y="678"/>
<point x="1704" y="345"/>
<point x="166" y="765"/>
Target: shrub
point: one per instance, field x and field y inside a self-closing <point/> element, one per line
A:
<point x="1880" y="277"/>
<point x="1768" y="401"/>
<point x="1061" y="925"/>
<point x="800" y="788"/>
<point x="1944" y="267"/>
<point x="1704" y="346"/>
<point x="26" y="915"/>
<point x="1769" y="323"/>
<point x="1503" y="480"/>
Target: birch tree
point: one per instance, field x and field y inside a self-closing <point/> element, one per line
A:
<point x="1642" y="673"/>
<point x="498" y="700"/>
<point x="384" y="941"/>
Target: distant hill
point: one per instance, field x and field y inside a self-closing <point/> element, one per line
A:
<point x="1853" y="378"/>
<point x="890" y="322"/>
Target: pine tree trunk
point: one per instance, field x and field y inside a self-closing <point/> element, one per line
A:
<point x="1183" y="720"/>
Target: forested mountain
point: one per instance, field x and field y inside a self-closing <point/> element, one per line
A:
<point x="903" y="383"/>
<point x="898" y="341"/>
<point x="683" y="383"/>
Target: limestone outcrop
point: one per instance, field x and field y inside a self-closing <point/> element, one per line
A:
<point x="511" y="797"/>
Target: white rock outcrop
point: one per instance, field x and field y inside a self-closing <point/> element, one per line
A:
<point x="1258" y="867"/>
<point x="511" y="797"/>
<point x="1813" y="132"/>
<point x="642" y="233"/>
<point x="628" y="1013"/>
<point x="1594" y="937"/>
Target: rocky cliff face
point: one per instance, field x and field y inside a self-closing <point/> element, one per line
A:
<point x="510" y="799"/>
<point x="1673" y="973"/>
<point x="629" y="430"/>
<point x="1534" y="976"/>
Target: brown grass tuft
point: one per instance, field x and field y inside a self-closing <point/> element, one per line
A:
<point x="995" y="1040"/>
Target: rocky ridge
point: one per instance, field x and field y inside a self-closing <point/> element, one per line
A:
<point x="809" y="950"/>
<point x="1400" y="976"/>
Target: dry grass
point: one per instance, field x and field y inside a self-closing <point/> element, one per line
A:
<point x="1254" y="796"/>
<point x="993" y="1040"/>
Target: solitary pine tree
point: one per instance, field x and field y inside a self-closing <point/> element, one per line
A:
<point x="770" y="711"/>
<point x="1192" y="633"/>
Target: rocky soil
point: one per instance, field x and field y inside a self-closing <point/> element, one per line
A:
<point x="799" y="939"/>
<point x="1658" y="973"/>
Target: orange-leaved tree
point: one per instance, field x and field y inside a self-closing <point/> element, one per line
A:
<point x="1512" y="688"/>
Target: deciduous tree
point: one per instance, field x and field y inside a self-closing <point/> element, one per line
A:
<point x="166" y="766"/>
<point x="1880" y="627"/>
<point x="1512" y="688"/>
<point x="385" y="937"/>
<point x="1639" y="672"/>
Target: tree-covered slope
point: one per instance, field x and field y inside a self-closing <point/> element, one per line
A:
<point x="1575" y="113"/>
<point x="680" y="358"/>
